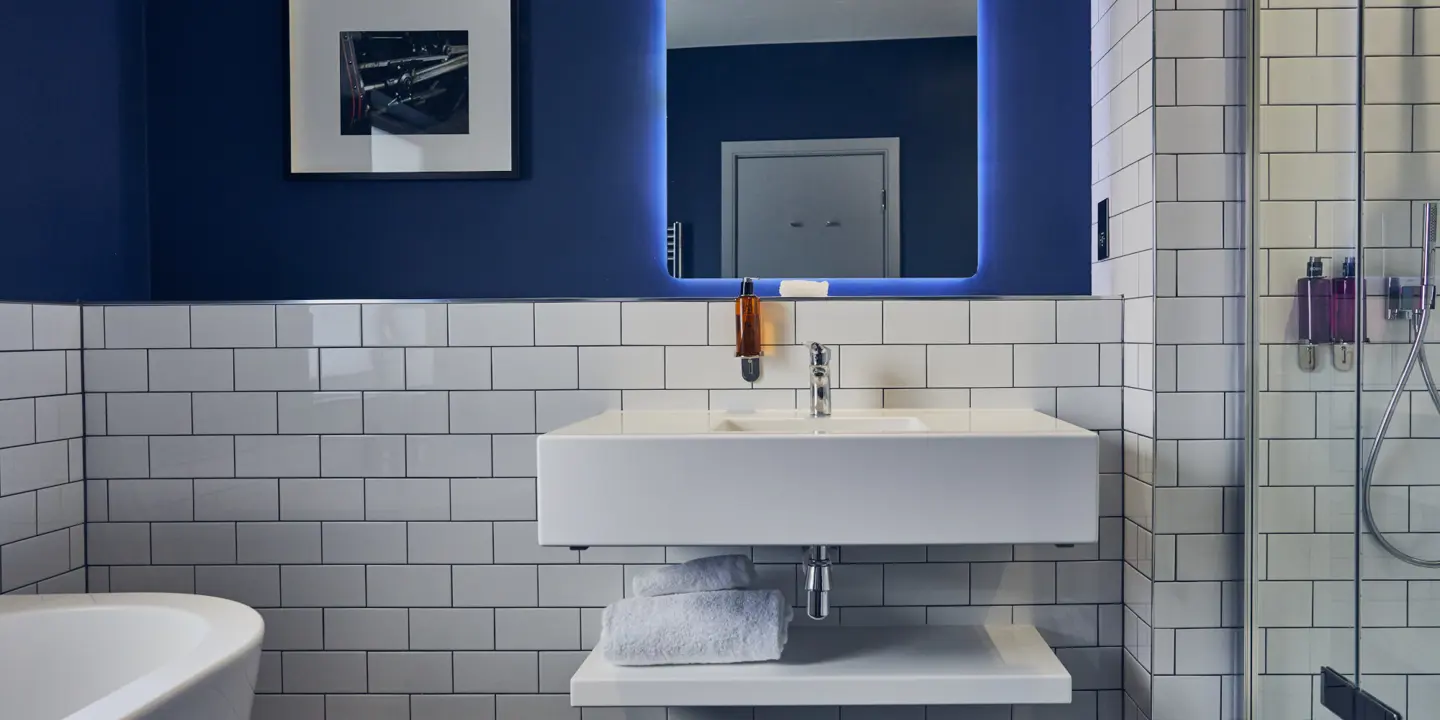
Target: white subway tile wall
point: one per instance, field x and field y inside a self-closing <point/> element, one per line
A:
<point x="1127" y="82"/>
<point x="377" y="504"/>
<point x="42" y="418"/>
<point x="1167" y="93"/>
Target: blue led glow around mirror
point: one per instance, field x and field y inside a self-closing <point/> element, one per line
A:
<point x="1034" y="184"/>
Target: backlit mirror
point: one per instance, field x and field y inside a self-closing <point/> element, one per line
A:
<point x="822" y="138"/>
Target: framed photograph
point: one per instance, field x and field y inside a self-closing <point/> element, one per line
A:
<point x="403" y="89"/>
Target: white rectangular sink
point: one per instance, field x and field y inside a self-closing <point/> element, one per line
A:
<point x="871" y="477"/>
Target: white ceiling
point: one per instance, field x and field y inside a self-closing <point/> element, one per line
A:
<point x="706" y="23"/>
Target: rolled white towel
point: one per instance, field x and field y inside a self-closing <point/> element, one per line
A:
<point x="721" y="572"/>
<point x="727" y="626"/>
<point x="804" y="288"/>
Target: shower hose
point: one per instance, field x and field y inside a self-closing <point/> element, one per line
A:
<point x="1419" y="325"/>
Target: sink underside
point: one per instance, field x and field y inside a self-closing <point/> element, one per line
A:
<point x="888" y="477"/>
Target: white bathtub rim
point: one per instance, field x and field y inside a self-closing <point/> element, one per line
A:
<point x="233" y="631"/>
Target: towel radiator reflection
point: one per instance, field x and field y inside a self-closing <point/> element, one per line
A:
<point x="675" y="249"/>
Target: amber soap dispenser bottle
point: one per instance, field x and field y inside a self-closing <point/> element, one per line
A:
<point x="747" y="330"/>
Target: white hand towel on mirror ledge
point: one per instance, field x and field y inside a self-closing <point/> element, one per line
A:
<point x="727" y="626"/>
<point x="721" y="572"/>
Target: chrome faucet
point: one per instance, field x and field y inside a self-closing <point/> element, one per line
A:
<point x="819" y="380"/>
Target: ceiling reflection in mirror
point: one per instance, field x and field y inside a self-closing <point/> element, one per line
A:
<point x="822" y="138"/>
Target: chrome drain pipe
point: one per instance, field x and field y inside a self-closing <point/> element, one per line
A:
<point x="817" y="582"/>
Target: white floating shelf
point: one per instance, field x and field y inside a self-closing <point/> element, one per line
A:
<point x="929" y="665"/>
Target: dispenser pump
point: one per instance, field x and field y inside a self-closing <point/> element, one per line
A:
<point x="1344" y="291"/>
<point x="747" y="331"/>
<point x="1313" y="298"/>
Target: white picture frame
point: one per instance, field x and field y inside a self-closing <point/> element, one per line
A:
<point x="402" y="89"/>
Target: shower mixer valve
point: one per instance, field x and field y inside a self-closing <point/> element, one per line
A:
<point x="1405" y="297"/>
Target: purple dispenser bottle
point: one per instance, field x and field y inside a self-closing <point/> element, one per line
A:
<point x="1343" y="313"/>
<point x="1313" y="295"/>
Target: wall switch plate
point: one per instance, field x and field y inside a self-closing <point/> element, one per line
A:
<point x="1102" y="230"/>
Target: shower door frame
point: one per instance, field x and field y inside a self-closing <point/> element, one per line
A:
<point x="1255" y="65"/>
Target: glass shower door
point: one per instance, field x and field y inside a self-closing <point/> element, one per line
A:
<point x="1303" y="386"/>
<point x="1344" y="471"/>
<point x="1398" y="487"/>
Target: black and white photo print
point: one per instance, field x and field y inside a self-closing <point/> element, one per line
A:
<point x="405" y="83"/>
<point x="403" y="89"/>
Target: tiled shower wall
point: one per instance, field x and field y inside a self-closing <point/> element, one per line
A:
<point x="1306" y="512"/>
<point x="1168" y="87"/>
<point x="365" y="476"/>
<point x="42" y="499"/>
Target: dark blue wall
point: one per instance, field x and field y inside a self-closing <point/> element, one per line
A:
<point x="72" y="147"/>
<point x="1034" y="150"/>
<point x="587" y="221"/>
<point x="921" y="91"/>
<point x="227" y="225"/>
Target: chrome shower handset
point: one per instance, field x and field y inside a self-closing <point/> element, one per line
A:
<point x="1430" y="212"/>
<point x="1418" y="310"/>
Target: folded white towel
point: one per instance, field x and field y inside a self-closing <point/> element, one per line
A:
<point x="721" y="572"/>
<point x="728" y="626"/>
<point x="804" y="288"/>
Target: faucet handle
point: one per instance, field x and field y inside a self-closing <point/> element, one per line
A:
<point x="819" y="354"/>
